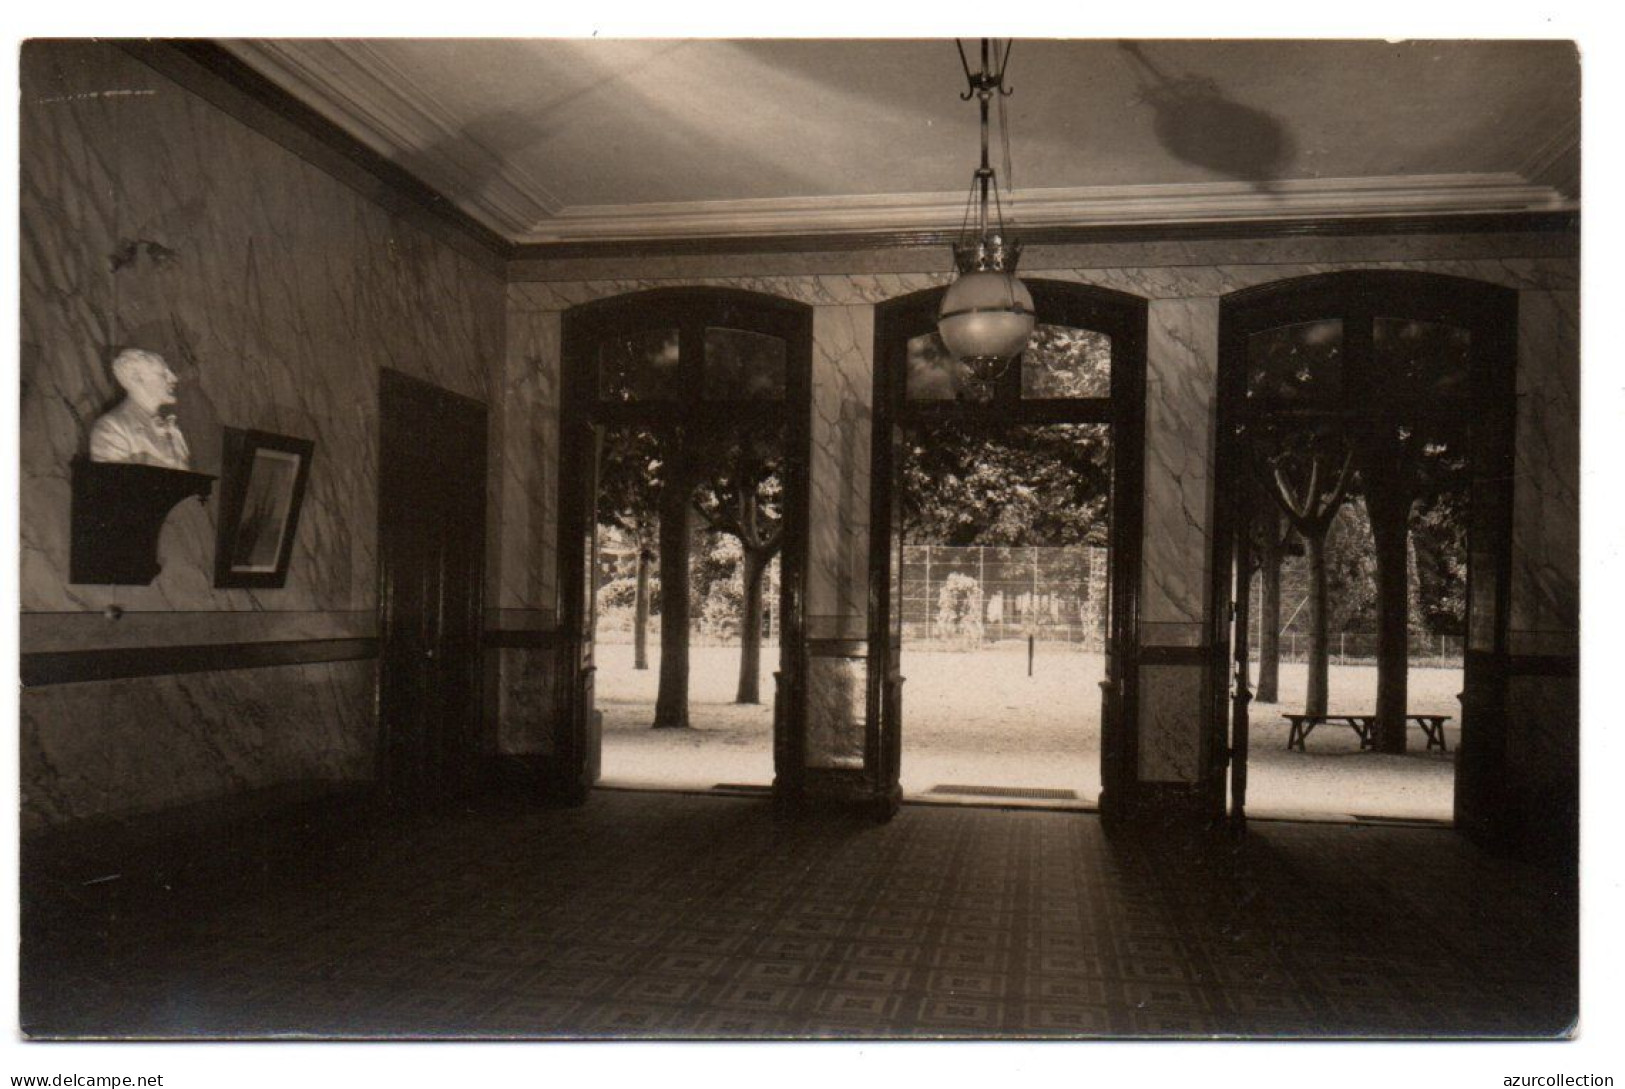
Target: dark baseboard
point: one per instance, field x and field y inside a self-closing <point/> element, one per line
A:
<point x="77" y="666"/>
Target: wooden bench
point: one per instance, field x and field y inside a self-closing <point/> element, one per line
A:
<point x="1365" y="726"/>
<point x="1303" y="725"/>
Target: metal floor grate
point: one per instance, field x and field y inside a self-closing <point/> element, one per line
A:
<point x="1048" y="794"/>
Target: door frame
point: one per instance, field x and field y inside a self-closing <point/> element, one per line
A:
<point x="583" y="417"/>
<point x="1358" y="296"/>
<point x="1124" y="318"/>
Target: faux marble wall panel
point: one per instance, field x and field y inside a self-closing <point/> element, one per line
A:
<point x="526" y="717"/>
<point x="1171" y="710"/>
<point x="846" y="289"/>
<point x="1175" y="280"/>
<point x="1181" y="368"/>
<point x="150" y="218"/>
<point x="836" y="710"/>
<point x="1545" y="607"/>
<point x="1543" y="737"/>
<point x="109" y="748"/>
<point x="838" y="548"/>
<point x="528" y="406"/>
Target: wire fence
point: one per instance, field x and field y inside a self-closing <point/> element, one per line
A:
<point x="1360" y="648"/>
<point x="958" y="596"/>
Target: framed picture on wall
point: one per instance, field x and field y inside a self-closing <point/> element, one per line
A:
<point x="262" y="486"/>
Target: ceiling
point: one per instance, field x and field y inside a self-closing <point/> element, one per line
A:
<point x="547" y="140"/>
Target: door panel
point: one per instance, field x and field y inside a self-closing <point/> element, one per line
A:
<point x="431" y="548"/>
<point x="1237" y="745"/>
<point x="587" y="646"/>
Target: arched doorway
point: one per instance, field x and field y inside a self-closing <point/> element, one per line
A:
<point x="1395" y="390"/>
<point x="1079" y="388"/>
<point x="706" y="392"/>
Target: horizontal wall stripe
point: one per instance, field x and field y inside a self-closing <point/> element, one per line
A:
<point x="77" y="666"/>
<point x="838" y="648"/>
<point x="1543" y="665"/>
<point x="139" y="630"/>
<point x="521" y="619"/>
<point x="536" y="638"/>
<point x="1185" y="656"/>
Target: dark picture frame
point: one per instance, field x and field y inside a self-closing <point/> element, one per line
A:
<point x="263" y="478"/>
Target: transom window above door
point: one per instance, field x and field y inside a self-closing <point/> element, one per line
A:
<point x="717" y="363"/>
<point x="1061" y="362"/>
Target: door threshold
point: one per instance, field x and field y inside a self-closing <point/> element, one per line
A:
<point x="1001" y="798"/>
<point x="641" y="786"/>
<point x="1299" y="816"/>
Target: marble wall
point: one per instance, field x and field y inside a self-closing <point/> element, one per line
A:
<point x="838" y="546"/>
<point x="111" y="748"/>
<point x="1545" y="604"/>
<point x="522" y="590"/>
<point x="1543" y="720"/>
<point x="1181" y="368"/>
<point x="150" y="217"/>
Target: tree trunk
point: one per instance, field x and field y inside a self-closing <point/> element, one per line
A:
<point x="671" y="703"/>
<point x="750" y="628"/>
<point x="1269" y="612"/>
<point x="640" y="613"/>
<point x="1314" y="702"/>
<point x="1389" y="508"/>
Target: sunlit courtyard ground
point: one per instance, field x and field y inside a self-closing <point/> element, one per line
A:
<point x="977" y="720"/>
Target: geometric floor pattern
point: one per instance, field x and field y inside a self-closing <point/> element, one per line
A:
<point x="676" y="916"/>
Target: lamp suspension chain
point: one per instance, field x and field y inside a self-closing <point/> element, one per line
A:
<point x="986" y="316"/>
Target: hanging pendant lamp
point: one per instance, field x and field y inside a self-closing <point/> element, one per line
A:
<point x="987" y="316"/>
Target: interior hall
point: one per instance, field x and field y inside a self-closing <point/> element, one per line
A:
<point x="553" y="539"/>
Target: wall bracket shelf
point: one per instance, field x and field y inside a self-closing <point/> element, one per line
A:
<point x="118" y="511"/>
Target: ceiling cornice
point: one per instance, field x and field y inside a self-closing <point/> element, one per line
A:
<point x="358" y="89"/>
<point x="1566" y="222"/>
<point x="1206" y="202"/>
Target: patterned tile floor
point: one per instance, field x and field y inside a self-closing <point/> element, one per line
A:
<point x="662" y="915"/>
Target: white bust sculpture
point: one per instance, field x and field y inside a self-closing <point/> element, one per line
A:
<point x="135" y="431"/>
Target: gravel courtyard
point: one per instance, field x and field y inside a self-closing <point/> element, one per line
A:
<point x="977" y="720"/>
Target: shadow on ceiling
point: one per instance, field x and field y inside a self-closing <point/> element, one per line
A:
<point x="478" y="154"/>
<point x="1197" y="124"/>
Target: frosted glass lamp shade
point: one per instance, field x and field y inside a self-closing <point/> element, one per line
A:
<point x="986" y="316"/>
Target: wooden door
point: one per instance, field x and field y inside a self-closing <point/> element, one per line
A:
<point x="431" y="563"/>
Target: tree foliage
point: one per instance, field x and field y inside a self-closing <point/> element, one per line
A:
<point x="966" y="484"/>
<point x="630" y="475"/>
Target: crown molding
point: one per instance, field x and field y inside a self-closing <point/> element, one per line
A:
<point x="359" y="90"/>
<point x="1559" y="223"/>
<point x="1097" y="206"/>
